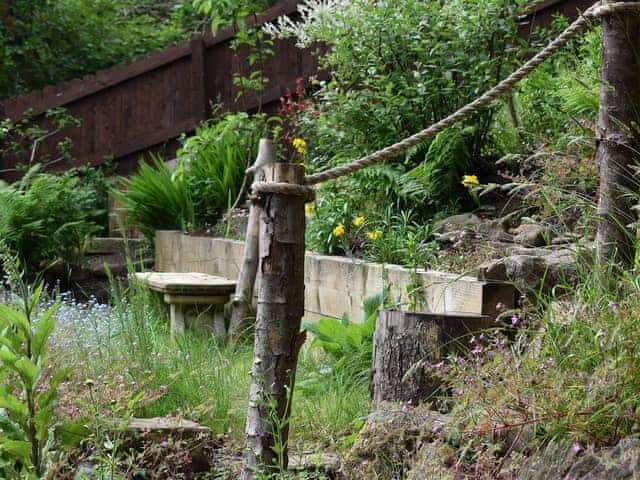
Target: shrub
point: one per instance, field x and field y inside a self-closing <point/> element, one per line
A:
<point x="397" y="67"/>
<point x="47" y="217"/>
<point x="28" y="392"/>
<point x="157" y="200"/>
<point x="207" y="179"/>
<point x="349" y="343"/>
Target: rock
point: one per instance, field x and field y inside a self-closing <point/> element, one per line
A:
<point x="433" y="460"/>
<point x="460" y="226"/>
<point x="558" y="462"/>
<point x="390" y="438"/>
<point x="532" y="271"/>
<point x="198" y="439"/>
<point x="325" y="463"/>
<point x="533" y="235"/>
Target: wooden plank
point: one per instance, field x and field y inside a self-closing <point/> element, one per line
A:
<point x="67" y="92"/>
<point x="198" y="81"/>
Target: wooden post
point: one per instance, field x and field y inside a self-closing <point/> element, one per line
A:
<point x="243" y="297"/>
<point x="403" y="340"/>
<point x="617" y="142"/>
<point x="277" y="333"/>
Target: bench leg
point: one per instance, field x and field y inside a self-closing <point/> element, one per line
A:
<point x="219" y="328"/>
<point x="176" y="316"/>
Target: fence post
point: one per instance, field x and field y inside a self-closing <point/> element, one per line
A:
<point x="616" y="139"/>
<point x="247" y="276"/>
<point x="277" y="330"/>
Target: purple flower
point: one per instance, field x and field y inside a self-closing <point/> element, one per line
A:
<point x="440" y="364"/>
<point x="613" y="306"/>
<point x="577" y="448"/>
<point x="163" y="444"/>
<point x="515" y="320"/>
<point x="477" y="351"/>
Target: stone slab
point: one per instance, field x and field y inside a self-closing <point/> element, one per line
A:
<point x="188" y="284"/>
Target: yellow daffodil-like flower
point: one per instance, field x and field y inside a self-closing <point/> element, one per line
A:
<point x="358" y="221"/>
<point x="300" y="145"/>
<point x="470" y="180"/>
<point x="310" y="210"/>
<point x="339" y="230"/>
<point x="375" y="235"/>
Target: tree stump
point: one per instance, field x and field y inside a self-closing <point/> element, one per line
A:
<point x="404" y="342"/>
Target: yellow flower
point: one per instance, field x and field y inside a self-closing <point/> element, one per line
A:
<point x="376" y="234"/>
<point x="339" y="230"/>
<point x="358" y="221"/>
<point x="300" y="145"/>
<point x="310" y="209"/>
<point x="469" y="180"/>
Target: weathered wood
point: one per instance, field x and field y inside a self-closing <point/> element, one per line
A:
<point x="277" y="332"/>
<point x="404" y="341"/>
<point x="617" y="138"/>
<point x="243" y="298"/>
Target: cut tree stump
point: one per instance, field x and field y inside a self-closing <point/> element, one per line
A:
<point x="404" y="342"/>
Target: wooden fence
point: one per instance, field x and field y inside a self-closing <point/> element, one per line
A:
<point x="144" y="106"/>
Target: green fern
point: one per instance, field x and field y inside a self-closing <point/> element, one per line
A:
<point x="156" y="199"/>
<point x="448" y="157"/>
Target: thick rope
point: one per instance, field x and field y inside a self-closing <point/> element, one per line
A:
<point x="506" y="85"/>
<point x="578" y="26"/>
<point x="293" y="189"/>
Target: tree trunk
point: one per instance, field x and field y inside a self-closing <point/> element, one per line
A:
<point x="277" y="333"/>
<point x="405" y="342"/>
<point x="243" y="297"/>
<point x="617" y="140"/>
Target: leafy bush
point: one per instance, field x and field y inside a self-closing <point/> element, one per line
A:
<point x="207" y="179"/>
<point x="47" y="217"/>
<point x="400" y="67"/>
<point x="349" y="343"/>
<point x="214" y="159"/>
<point x="28" y="393"/>
<point x="156" y="199"/>
<point x="43" y="43"/>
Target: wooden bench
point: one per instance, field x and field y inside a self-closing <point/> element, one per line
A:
<point x="195" y="299"/>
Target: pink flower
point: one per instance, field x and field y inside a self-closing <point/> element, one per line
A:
<point x="613" y="306"/>
<point x="515" y="320"/>
<point x="577" y="448"/>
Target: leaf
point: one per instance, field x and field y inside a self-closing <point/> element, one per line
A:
<point x="16" y="448"/>
<point x="15" y="318"/>
<point x="45" y="327"/>
<point x="28" y="371"/>
<point x="17" y="410"/>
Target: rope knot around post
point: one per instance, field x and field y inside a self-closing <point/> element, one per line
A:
<point x="280" y="188"/>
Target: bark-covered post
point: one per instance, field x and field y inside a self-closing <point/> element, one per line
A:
<point x="277" y="330"/>
<point x="617" y="140"/>
<point x="246" y="279"/>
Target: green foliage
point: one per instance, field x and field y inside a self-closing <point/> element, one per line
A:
<point x="349" y="343"/>
<point x="47" y="217"/>
<point x="399" y="68"/>
<point x="207" y="179"/>
<point x="558" y="102"/>
<point x="157" y="200"/>
<point x="21" y="139"/>
<point x="447" y="158"/>
<point x="28" y="391"/>
<point x="256" y="45"/>
<point x="213" y="161"/>
<point x="45" y="42"/>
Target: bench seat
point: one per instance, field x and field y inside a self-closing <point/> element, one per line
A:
<point x="195" y="299"/>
